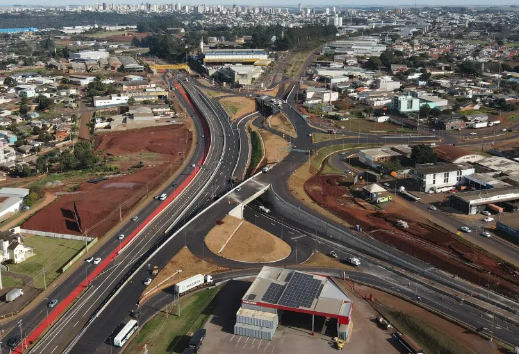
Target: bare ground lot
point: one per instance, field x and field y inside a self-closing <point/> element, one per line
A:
<point x="273" y="145"/>
<point x="238" y="106"/>
<point x="156" y="150"/>
<point x="282" y="124"/>
<point x="242" y="241"/>
<point x="421" y="240"/>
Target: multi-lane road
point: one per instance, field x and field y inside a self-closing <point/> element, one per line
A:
<point x="221" y="153"/>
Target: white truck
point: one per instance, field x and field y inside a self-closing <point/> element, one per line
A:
<point x="13" y="295"/>
<point x="353" y="261"/>
<point x="194" y="282"/>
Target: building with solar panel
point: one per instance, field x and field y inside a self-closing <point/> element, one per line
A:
<point x="277" y="291"/>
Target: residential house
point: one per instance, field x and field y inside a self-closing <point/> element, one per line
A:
<point x="13" y="248"/>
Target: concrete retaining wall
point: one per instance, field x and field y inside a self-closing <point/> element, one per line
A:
<point x="237" y="212"/>
<point x="56" y="235"/>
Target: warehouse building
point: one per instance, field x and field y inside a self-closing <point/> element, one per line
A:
<point x="499" y="165"/>
<point x="455" y="154"/>
<point x="222" y="56"/>
<point x="496" y="199"/>
<point x="441" y="176"/>
<point x="509" y="225"/>
<point x="89" y="55"/>
<point x="277" y="291"/>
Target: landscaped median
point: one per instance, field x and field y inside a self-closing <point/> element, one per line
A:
<point x="63" y="305"/>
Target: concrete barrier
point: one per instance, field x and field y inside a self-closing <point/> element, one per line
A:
<point x="56" y="235"/>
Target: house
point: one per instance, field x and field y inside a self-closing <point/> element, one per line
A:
<point x="455" y="154"/>
<point x="9" y="137"/>
<point x="25" y="149"/>
<point x="395" y="68"/>
<point x="440" y="176"/>
<point x="375" y="157"/>
<point x="13" y="248"/>
<point x="386" y="84"/>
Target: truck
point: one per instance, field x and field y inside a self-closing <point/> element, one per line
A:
<point x="479" y="125"/>
<point x="13" y="295"/>
<point x="192" y="283"/>
<point x="196" y="340"/>
<point x="353" y="261"/>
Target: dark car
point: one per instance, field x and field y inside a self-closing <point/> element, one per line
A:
<point x="196" y="340"/>
<point x="135" y="313"/>
<point x="13" y="341"/>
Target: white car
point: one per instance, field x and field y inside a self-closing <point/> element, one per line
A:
<point x="465" y="229"/>
<point x="489" y="219"/>
<point x="237" y="189"/>
<point x="485" y="234"/>
<point x="163" y="196"/>
<point x="386" y="185"/>
<point x="486" y="212"/>
<point x="432" y="207"/>
<point x="264" y="209"/>
<point x="147" y="281"/>
<point x="473" y="133"/>
<point x="89" y="259"/>
<point x="97" y="260"/>
<point x="503" y="130"/>
<point x="120" y="237"/>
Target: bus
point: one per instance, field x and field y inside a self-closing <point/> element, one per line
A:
<point x="408" y="343"/>
<point x="125" y="333"/>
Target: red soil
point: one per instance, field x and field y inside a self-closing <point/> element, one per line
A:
<point x="99" y="205"/>
<point x="421" y="240"/>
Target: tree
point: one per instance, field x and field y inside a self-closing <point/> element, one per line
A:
<point x="9" y="81"/>
<point x="131" y="101"/>
<point x="374" y="63"/>
<point x="84" y="153"/>
<point x="423" y="154"/>
<point x="44" y="103"/>
<point x="68" y="161"/>
<point x="470" y="68"/>
<point x="425" y="110"/>
<point x="42" y="164"/>
<point x="436" y="112"/>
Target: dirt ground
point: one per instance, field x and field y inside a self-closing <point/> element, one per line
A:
<point x="421" y="240"/>
<point x="189" y="264"/>
<point x="239" y="106"/>
<point x="282" y="124"/>
<point x="272" y="144"/>
<point x="322" y="260"/>
<point x="468" y="339"/>
<point x="272" y="92"/>
<point x="145" y="158"/>
<point x="242" y="241"/>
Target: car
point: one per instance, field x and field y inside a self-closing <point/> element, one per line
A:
<point x="237" y="189"/>
<point x="465" y="229"/>
<point x="163" y="196"/>
<point x="473" y="133"/>
<point x="342" y="153"/>
<point x="14" y="341"/>
<point x="264" y="209"/>
<point x="504" y="130"/>
<point x="97" y="260"/>
<point x="334" y="255"/>
<point x="135" y="218"/>
<point x="135" y="313"/>
<point x="310" y="134"/>
<point x="486" y="212"/>
<point x="193" y="165"/>
<point x="432" y="207"/>
<point x="386" y="185"/>
<point x="485" y="234"/>
<point x="489" y="219"/>
<point x="156" y="197"/>
<point x="147" y="281"/>
<point x="89" y="259"/>
<point x="265" y="169"/>
<point x="453" y="191"/>
<point x="52" y="303"/>
<point x="120" y="237"/>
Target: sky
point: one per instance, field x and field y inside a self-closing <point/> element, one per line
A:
<point x="286" y="3"/>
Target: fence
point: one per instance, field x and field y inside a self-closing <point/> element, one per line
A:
<point x="78" y="255"/>
<point x="56" y="235"/>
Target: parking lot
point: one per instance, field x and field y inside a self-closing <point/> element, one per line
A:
<point x="366" y="336"/>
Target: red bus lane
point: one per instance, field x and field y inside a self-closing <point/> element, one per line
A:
<point x="63" y="305"/>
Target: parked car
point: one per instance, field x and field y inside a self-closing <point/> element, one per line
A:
<point x="485" y="234"/>
<point x="156" y="197"/>
<point x="52" y="303"/>
<point x="147" y="281"/>
<point x="120" y="237"/>
<point x="473" y="133"/>
<point x="334" y="255"/>
<point x="432" y="207"/>
<point x="264" y="209"/>
<point x="465" y="229"/>
<point x="489" y="219"/>
<point x="486" y="212"/>
<point x="237" y="189"/>
<point x="386" y="185"/>
<point x="453" y="191"/>
<point x="97" y="260"/>
<point x="89" y="259"/>
<point x="135" y="218"/>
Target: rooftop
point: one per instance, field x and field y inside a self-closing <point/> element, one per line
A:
<point x="487" y="196"/>
<point x="500" y="164"/>
<point x="379" y="152"/>
<point x="287" y="288"/>
<point x="440" y="167"/>
<point x="451" y="152"/>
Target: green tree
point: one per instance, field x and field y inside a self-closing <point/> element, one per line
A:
<point x="131" y="101"/>
<point x="374" y="63"/>
<point x="9" y="81"/>
<point x="42" y="164"/>
<point x="44" y="103"/>
<point x="68" y="161"/>
<point x="423" y="154"/>
<point x="425" y="110"/>
<point x="85" y="154"/>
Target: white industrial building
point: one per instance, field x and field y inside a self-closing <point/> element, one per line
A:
<point x="441" y="176"/>
<point x="109" y="101"/>
<point x="11" y="200"/>
<point x="315" y="95"/>
<point x="89" y="55"/>
<point x="386" y="84"/>
<point x="214" y="56"/>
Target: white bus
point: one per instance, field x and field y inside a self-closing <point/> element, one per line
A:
<point x="125" y="333"/>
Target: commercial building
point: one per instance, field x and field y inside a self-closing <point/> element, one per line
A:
<point x="110" y="101"/>
<point x="441" y="176"/>
<point x="374" y="157"/>
<point x="455" y="154"/>
<point x="11" y="200"/>
<point x="18" y="30"/>
<point x="89" y="55"/>
<point x="315" y="95"/>
<point x="277" y="292"/>
<point x="498" y="164"/>
<point x="359" y="46"/>
<point x="386" y="84"/>
<point x="129" y="64"/>
<point x="222" y="56"/>
<point x="238" y="74"/>
<point x="476" y="201"/>
<point x="406" y="103"/>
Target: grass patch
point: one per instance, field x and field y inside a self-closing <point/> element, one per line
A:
<point x="50" y="254"/>
<point x="430" y="338"/>
<point x="328" y="168"/>
<point x="165" y="334"/>
<point x="320" y="137"/>
<point x="257" y="150"/>
<point x="513" y="116"/>
<point x="318" y="158"/>
<point x="212" y="93"/>
<point x="10" y="282"/>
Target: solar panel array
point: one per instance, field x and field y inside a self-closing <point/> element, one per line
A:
<point x="273" y="293"/>
<point x="301" y="291"/>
